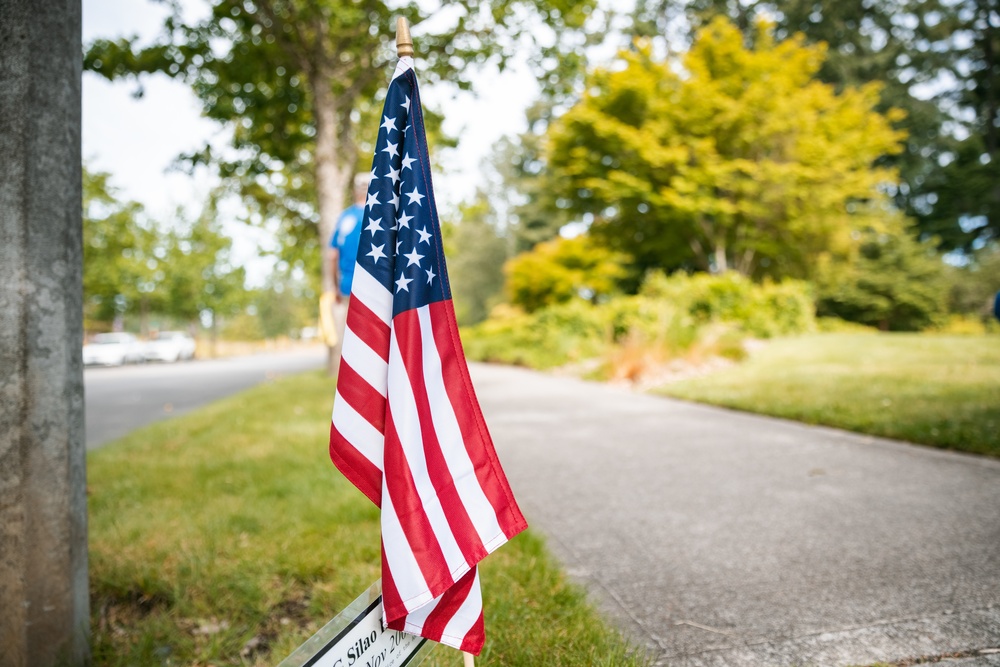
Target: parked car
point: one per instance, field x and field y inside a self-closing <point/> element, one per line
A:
<point x="170" y="346"/>
<point x="113" y="349"/>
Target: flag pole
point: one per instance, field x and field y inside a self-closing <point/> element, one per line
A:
<point x="404" y="43"/>
<point x="404" y="47"/>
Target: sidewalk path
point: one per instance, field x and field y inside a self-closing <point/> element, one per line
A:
<point x="720" y="538"/>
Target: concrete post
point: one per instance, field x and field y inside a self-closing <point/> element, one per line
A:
<point x="44" y="606"/>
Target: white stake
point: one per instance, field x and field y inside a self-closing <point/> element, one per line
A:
<point x="470" y="661"/>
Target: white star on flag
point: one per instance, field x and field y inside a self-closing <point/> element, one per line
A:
<point x="391" y="148"/>
<point x="394" y="200"/>
<point x="372" y="200"/>
<point x="388" y="123"/>
<point x="415" y="197"/>
<point x="404" y="220"/>
<point x="376" y="253"/>
<point x="407" y="161"/>
<point x="414" y="257"/>
<point x="393" y="174"/>
<point x="402" y="282"/>
<point x="374" y="225"/>
<point x="425" y="236"/>
<point x="430" y="275"/>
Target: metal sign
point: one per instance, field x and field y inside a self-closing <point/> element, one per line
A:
<point x="355" y="638"/>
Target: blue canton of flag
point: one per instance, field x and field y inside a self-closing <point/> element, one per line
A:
<point x="400" y="242"/>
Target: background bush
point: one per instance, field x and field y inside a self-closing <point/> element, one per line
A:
<point x="670" y="317"/>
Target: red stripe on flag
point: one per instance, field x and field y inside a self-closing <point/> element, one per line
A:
<point x="475" y="637"/>
<point x="477" y="439"/>
<point x="412" y="518"/>
<point x="367" y="326"/>
<point x="409" y="337"/>
<point x="355" y="467"/>
<point x="361" y="396"/>
<point x="390" y="596"/>
<point x="448" y="606"/>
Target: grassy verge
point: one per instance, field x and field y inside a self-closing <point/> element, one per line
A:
<point x="226" y="537"/>
<point x="936" y="390"/>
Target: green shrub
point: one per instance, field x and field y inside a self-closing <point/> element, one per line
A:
<point x="671" y="317"/>
<point x="563" y="270"/>
<point x="760" y="310"/>
<point x="837" y="325"/>
<point x="895" y="283"/>
<point x="550" y="337"/>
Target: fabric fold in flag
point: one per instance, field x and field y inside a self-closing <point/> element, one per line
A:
<point x="407" y="429"/>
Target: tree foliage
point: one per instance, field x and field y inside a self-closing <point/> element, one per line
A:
<point x="895" y="283"/>
<point x="294" y="78"/>
<point x="476" y="250"/>
<point x="122" y="255"/>
<point x="562" y="270"/>
<point x="938" y="61"/>
<point x="739" y="159"/>
<point x="134" y="268"/>
<point x="203" y="282"/>
<point x="973" y="287"/>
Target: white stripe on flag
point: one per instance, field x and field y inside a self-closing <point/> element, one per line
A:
<point x="466" y="616"/>
<point x="449" y="435"/>
<point x="415" y="619"/>
<point x="406" y="574"/>
<point x="365" y="361"/>
<point x="372" y="293"/>
<point x="403" y="407"/>
<point x="357" y="431"/>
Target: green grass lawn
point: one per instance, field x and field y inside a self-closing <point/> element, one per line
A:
<point x="932" y="389"/>
<point x="226" y="537"/>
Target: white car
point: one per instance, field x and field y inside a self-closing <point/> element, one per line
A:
<point x="112" y="349"/>
<point x="170" y="346"/>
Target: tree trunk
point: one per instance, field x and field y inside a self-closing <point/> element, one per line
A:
<point x="144" y="316"/>
<point x="331" y="180"/>
<point x="721" y="263"/>
<point x="44" y="597"/>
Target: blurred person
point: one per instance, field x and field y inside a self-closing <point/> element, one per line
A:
<point x="344" y="242"/>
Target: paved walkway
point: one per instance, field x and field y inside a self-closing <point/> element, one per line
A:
<point x="120" y="400"/>
<point x="719" y="538"/>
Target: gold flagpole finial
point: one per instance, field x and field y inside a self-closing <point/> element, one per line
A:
<point x="404" y="43"/>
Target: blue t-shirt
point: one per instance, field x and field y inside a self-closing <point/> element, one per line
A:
<point x="346" y="237"/>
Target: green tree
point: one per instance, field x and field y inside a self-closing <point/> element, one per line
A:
<point x="562" y="270"/>
<point x="122" y="256"/>
<point x="477" y="250"/>
<point x="895" y="283"/>
<point x="741" y="160"/>
<point x="293" y="77"/>
<point x="202" y="282"/>
<point x="937" y="60"/>
<point x="974" y="286"/>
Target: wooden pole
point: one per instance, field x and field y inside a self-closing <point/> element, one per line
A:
<point x="469" y="660"/>
<point x="404" y="43"/>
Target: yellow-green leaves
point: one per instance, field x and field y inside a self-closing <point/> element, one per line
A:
<point x="730" y="158"/>
<point x="561" y="270"/>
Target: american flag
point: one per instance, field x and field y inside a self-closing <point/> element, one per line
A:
<point x="407" y="429"/>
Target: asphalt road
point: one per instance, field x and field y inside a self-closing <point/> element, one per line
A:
<point x="119" y="400"/>
<point x="719" y="538"/>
